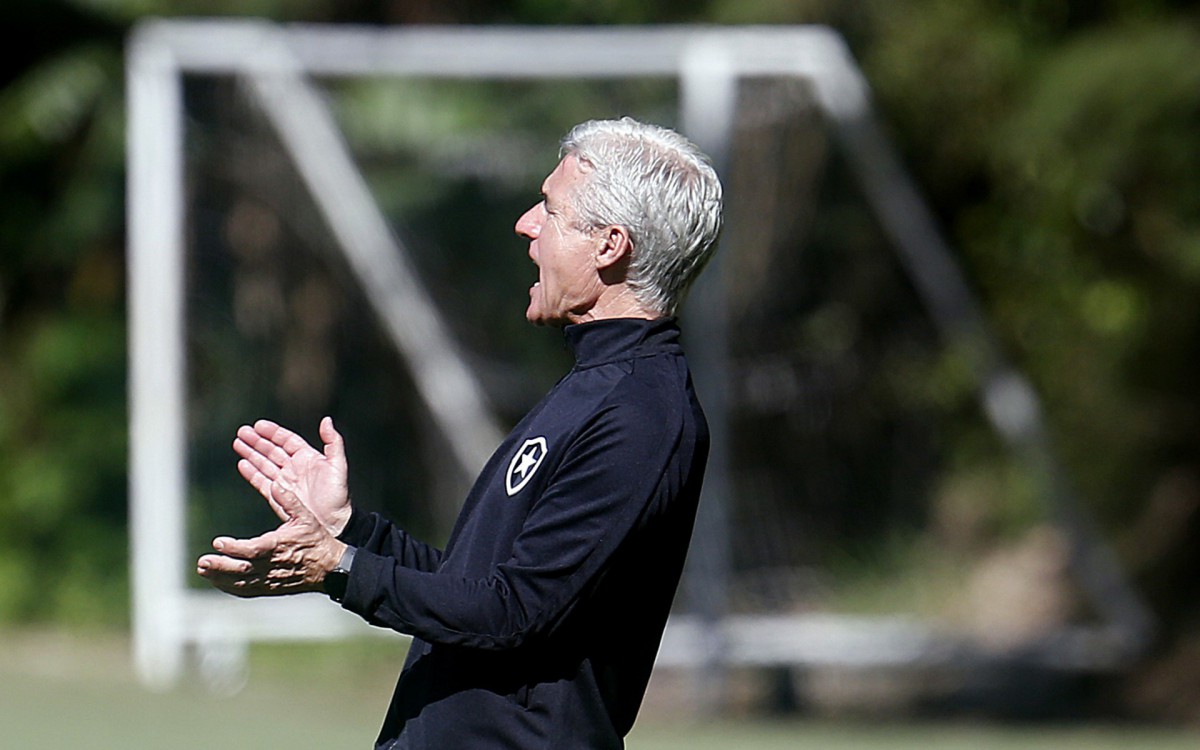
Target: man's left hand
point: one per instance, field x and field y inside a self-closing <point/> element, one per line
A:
<point x="292" y="559"/>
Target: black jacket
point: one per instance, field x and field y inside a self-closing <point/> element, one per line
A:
<point x="538" y="626"/>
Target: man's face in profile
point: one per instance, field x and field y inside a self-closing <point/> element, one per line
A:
<point x="563" y="250"/>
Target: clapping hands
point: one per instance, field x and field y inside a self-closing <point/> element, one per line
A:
<point x="307" y="489"/>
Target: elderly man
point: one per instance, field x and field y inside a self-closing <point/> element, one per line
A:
<point x="538" y="624"/>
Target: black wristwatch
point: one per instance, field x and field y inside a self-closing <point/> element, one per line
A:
<point x="336" y="579"/>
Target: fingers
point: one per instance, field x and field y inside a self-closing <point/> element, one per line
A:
<point x="246" y="549"/>
<point x="262" y="459"/>
<point x="269" y="458"/>
<point x="228" y="574"/>
<point x="260" y="462"/>
<point x="269" y="445"/>
<point x="288" y="441"/>
<point x="237" y="577"/>
<point x="212" y="565"/>
<point x="252" y="446"/>
<point x="259" y="480"/>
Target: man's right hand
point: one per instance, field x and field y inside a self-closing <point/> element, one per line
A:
<point x="273" y="454"/>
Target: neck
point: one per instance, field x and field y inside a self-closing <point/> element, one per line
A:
<point x="616" y="301"/>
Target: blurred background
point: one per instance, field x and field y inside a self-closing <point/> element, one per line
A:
<point x="1056" y="144"/>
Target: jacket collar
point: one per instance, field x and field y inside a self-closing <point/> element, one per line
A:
<point x="600" y="341"/>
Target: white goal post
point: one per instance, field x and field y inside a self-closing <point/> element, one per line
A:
<point x="276" y="62"/>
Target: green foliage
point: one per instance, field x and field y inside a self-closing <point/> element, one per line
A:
<point x="1059" y="145"/>
<point x="1089" y="249"/>
<point x="62" y="478"/>
<point x="62" y="340"/>
<point x="1056" y="142"/>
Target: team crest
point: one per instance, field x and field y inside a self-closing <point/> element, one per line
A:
<point x="524" y="465"/>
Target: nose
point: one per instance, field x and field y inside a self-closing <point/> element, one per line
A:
<point x="530" y="223"/>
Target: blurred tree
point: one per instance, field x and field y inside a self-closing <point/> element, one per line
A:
<point x="1057" y="142"/>
<point x="1065" y="168"/>
<point x="62" y="416"/>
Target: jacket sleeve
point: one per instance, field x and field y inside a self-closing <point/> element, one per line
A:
<point x="615" y="471"/>
<point x="375" y="535"/>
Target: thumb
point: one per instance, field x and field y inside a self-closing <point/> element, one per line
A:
<point x="335" y="446"/>
<point x="286" y="501"/>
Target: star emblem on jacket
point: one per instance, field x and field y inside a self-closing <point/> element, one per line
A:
<point x="524" y="464"/>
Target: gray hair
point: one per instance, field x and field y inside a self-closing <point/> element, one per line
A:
<point x="662" y="189"/>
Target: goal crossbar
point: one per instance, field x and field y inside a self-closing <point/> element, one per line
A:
<point x="279" y="61"/>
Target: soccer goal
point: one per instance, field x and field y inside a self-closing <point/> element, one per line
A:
<point x="315" y="215"/>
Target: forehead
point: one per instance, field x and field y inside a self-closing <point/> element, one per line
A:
<point x="565" y="176"/>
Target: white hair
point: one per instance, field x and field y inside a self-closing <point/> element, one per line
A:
<point x="662" y="189"/>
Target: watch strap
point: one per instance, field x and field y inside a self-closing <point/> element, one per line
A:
<point x="337" y="579"/>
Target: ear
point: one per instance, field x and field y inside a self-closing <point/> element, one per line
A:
<point x="615" y="247"/>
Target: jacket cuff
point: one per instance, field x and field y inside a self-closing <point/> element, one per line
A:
<point x="358" y="528"/>
<point x="363" y="583"/>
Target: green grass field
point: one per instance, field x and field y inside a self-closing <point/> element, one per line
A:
<point x="66" y="691"/>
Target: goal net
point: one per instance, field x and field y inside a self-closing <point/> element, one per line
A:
<point x="320" y="222"/>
